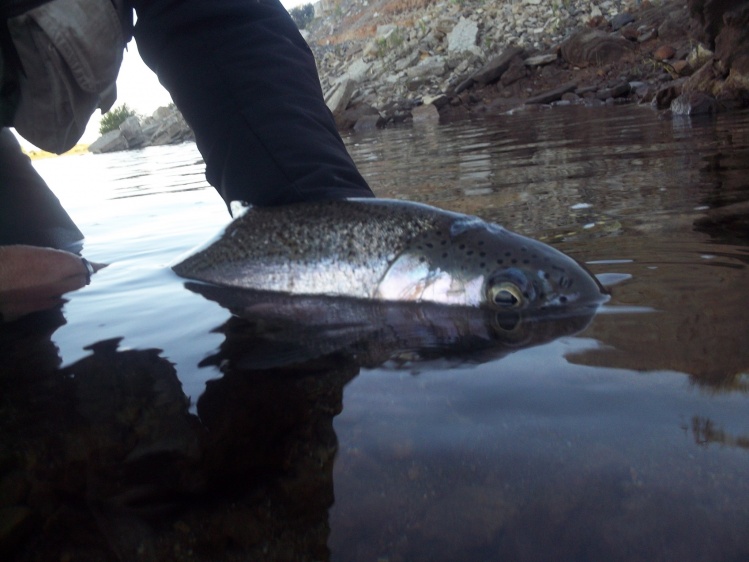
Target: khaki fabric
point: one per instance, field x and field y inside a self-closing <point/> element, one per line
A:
<point x="70" y="53"/>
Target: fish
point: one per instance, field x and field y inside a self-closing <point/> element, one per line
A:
<point x="391" y="250"/>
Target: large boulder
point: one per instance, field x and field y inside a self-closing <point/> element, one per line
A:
<point x="132" y="132"/>
<point x="724" y="27"/>
<point x="112" y="141"/>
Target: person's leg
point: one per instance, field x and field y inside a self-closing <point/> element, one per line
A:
<point x="29" y="212"/>
<point x="247" y="84"/>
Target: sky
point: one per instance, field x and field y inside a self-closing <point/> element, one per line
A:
<point x="138" y="87"/>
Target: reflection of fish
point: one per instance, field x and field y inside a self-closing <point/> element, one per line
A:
<point x="390" y="250"/>
<point x="274" y="330"/>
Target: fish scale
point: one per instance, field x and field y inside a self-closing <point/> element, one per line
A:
<point x="389" y="250"/>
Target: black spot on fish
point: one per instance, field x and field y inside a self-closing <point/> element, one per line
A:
<point x="462" y="247"/>
<point x="526" y="262"/>
<point x="513" y="260"/>
<point x="508" y="254"/>
<point x="469" y="252"/>
<point x="500" y="261"/>
<point x="482" y="265"/>
<point x="481" y="242"/>
<point x="429" y="245"/>
<point x="482" y="254"/>
<point x="444" y="254"/>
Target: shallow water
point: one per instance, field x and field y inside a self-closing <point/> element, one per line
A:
<point x="156" y="421"/>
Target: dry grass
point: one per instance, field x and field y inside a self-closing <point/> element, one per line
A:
<point x="40" y="154"/>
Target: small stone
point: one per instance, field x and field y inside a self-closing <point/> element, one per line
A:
<point x="541" y="60"/>
<point x="664" y="52"/>
<point x="620" y="20"/>
<point x="646" y="36"/>
<point x="682" y="68"/>
<point x="368" y="123"/>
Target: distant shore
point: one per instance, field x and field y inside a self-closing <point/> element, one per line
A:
<point x="42" y="154"/>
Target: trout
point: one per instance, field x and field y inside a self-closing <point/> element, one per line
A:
<point x="391" y="251"/>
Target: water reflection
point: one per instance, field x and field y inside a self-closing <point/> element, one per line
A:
<point x="144" y="420"/>
<point x="268" y="330"/>
<point x="105" y="461"/>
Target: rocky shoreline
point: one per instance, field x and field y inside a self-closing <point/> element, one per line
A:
<point x="390" y="61"/>
<point x="384" y="62"/>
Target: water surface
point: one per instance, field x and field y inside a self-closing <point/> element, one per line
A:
<point x="155" y="420"/>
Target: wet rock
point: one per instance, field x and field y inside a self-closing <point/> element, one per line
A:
<point x="694" y="103"/>
<point x="492" y="71"/>
<point x="425" y="114"/>
<point x="369" y="123"/>
<point x="552" y="95"/>
<point x="592" y="47"/>
<point x="361" y="112"/>
<point x="619" y="90"/>
<point x="668" y="93"/>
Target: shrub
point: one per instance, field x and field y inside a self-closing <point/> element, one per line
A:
<point x="113" y="118"/>
<point x="302" y="15"/>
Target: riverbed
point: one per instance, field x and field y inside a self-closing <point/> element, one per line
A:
<point x="152" y="419"/>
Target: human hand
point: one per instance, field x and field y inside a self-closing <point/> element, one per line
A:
<point x="33" y="278"/>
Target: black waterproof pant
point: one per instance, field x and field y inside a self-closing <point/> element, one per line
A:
<point x="247" y="84"/>
<point x="29" y="211"/>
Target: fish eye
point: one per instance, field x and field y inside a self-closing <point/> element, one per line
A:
<point x="506" y="295"/>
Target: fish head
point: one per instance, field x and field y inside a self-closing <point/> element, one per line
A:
<point x="474" y="263"/>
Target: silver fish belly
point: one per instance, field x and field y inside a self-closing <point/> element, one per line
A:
<point x="392" y="251"/>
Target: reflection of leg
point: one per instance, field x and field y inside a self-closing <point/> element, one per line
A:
<point x="29" y="211"/>
<point x="270" y="448"/>
<point x="247" y="84"/>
